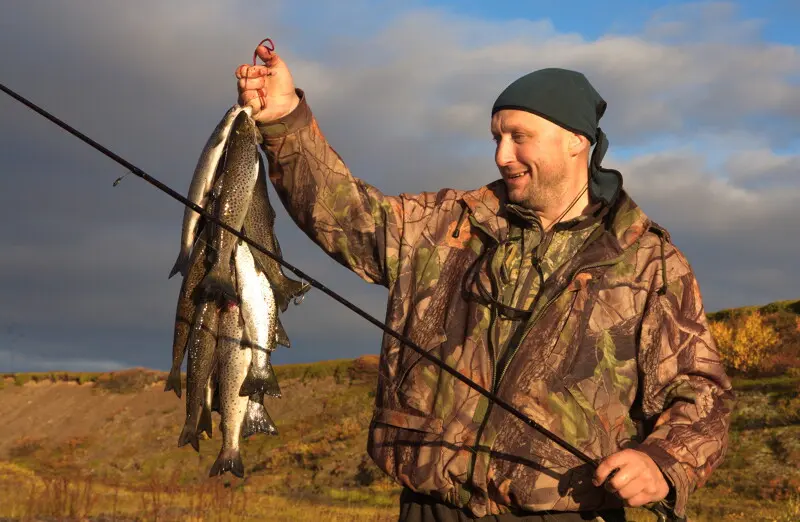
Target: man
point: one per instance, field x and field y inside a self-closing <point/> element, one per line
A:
<point x="549" y="287"/>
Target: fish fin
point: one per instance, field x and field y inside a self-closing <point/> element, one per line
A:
<point x="287" y="290"/>
<point x="272" y="388"/>
<point x="228" y="460"/>
<point x="205" y="424"/>
<point x="217" y="281"/>
<point x="257" y="420"/>
<point x="181" y="265"/>
<point x="174" y="381"/>
<point x="261" y="381"/>
<point x="189" y="436"/>
<point x="281" y="337"/>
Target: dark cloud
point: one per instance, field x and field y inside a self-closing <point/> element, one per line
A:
<point x="403" y="93"/>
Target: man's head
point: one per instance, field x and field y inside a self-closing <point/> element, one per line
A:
<point x="544" y="124"/>
<point x="538" y="159"/>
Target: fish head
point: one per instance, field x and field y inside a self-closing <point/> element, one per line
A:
<point x="244" y="127"/>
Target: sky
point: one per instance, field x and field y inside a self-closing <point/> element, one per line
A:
<point x="703" y="120"/>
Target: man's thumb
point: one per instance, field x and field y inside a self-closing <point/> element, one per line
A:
<point x="270" y="58"/>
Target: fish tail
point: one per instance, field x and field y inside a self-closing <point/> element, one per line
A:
<point x="174" y="381"/>
<point x="189" y="436"/>
<point x="257" y="420"/>
<point x="228" y="460"/>
<point x="254" y="382"/>
<point x="181" y="265"/>
<point x="218" y="281"/>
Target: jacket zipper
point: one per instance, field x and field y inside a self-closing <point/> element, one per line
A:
<point x="531" y="324"/>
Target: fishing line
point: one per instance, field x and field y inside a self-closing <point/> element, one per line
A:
<point x="659" y="510"/>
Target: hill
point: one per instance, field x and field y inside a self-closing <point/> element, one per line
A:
<point x="103" y="446"/>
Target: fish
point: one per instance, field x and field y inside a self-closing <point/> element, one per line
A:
<point x="201" y="184"/>
<point x="281" y="337"/>
<point x="239" y="170"/>
<point x="234" y="361"/>
<point x="259" y="225"/>
<point x="201" y="361"/>
<point x="204" y="427"/>
<point x="184" y="314"/>
<point x="259" y="314"/>
<point x="257" y="419"/>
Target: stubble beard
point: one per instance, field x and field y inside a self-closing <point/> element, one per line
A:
<point x="543" y="193"/>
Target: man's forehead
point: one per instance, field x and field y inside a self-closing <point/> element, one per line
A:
<point x="510" y="119"/>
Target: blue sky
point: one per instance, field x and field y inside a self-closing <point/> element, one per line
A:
<point x="703" y="120"/>
<point x="592" y="19"/>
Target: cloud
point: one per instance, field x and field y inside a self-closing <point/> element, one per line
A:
<point x="738" y="237"/>
<point x="403" y="93"/>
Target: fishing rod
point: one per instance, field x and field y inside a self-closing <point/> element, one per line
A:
<point x="661" y="512"/>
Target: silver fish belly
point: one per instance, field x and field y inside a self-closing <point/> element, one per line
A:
<point x="259" y="314"/>
<point x="200" y="186"/>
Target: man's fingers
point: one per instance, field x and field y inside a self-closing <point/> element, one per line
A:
<point x="269" y="57"/>
<point x="631" y="490"/>
<point x="640" y="499"/>
<point x="251" y="71"/>
<point x="253" y="98"/>
<point x="607" y="466"/>
<point x="246" y="84"/>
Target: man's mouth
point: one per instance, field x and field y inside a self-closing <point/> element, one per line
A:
<point x="516" y="175"/>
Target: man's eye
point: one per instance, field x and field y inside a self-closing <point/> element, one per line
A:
<point x="518" y="137"/>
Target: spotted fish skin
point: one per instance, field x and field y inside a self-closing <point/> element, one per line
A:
<point x="234" y="361"/>
<point x="260" y="314"/>
<point x="259" y="225"/>
<point x="184" y="315"/>
<point x="200" y="186"/>
<point x="240" y="170"/>
<point x="201" y="360"/>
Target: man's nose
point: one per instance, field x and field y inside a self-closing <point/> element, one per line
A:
<point x="503" y="154"/>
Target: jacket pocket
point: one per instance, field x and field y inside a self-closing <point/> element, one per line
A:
<point x="407" y="421"/>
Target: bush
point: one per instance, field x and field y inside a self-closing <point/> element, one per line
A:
<point x="746" y="343"/>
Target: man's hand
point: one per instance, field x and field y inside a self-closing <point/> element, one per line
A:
<point x="639" y="480"/>
<point x="269" y="88"/>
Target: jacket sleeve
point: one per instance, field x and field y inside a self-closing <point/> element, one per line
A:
<point x="350" y="220"/>
<point x="686" y="393"/>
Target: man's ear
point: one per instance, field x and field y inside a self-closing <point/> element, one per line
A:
<point x="577" y="144"/>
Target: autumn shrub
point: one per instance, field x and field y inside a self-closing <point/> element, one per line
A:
<point x="746" y="342"/>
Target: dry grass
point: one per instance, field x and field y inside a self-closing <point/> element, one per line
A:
<point x="27" y="496"/>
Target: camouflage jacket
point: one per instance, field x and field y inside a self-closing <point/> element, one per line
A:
<point x="616" y="352"/>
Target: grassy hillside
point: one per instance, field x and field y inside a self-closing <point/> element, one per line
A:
<point x="104" y="447"/>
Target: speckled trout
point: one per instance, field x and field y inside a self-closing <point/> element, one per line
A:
<point x="200" y="186"/>
<point x="184" y="315"/>
<point x="240" y="170"/>
<point x="260" y="317"/>
<point x="259" y="225"/>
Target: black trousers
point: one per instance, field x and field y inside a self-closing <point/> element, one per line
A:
<point x="415" y="507"/>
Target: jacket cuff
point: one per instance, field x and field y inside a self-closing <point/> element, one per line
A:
<point x="297" y="119"/>
<point x="673" y="471"/>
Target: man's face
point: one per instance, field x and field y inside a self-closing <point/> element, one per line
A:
<point x="531" y="155"/>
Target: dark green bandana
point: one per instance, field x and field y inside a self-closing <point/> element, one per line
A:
<point x="567" y="99"/>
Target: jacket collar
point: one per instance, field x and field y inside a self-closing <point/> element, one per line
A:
<point x="622" y="226"/>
